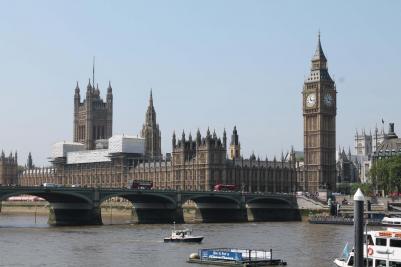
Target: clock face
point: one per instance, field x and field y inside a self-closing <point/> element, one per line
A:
<point x="310" y="100"/>
<point x="328" y="100"/>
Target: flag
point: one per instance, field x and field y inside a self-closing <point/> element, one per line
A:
<point x="345" y="251"/>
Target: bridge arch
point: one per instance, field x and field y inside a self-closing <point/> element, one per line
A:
<point x="139" y="196"/>
<point x="67" y="207"/>
<point x="149" y="206"/>
<point x="272" y="208"/>
<point x="272" y="200"/>
<point x="212" y="207"/>
<point x="48" y="196"/>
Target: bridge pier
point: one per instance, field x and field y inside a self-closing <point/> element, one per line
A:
<point x="271" y="214"/>
<point x="155" y="213"/>
<point x="219" y="213"/>
<point x="72" y="215"/>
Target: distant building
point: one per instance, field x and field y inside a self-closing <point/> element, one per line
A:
<point x="195" y="164"/>
<point x="391" y="145"/>
<point x="365" y="148"/>
<point x="151" y="133"/>
<point x="347" y="167"/>
<point x="93" y="118"/>
<point x="73" y="164"/>
<point x="8" y="169"/>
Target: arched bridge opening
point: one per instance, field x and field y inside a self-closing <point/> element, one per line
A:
<point x="212" y="208"/>
<point x="150" y="207"/>
<point x="65" y="208"/>
<point x="116" y="210"/>
<point x="272" y="209"/>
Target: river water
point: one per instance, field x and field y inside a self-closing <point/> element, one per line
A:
<point x="26" y="243"/>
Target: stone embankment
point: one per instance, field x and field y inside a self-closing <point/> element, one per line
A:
<point x="42" y="207"/>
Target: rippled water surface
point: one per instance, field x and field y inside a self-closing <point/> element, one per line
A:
<point x="24" y="243"/>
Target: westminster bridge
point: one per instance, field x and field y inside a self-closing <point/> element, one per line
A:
<point x="81" y="205"/>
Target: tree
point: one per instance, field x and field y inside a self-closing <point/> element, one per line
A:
<point x="366" y="188"/>
<point x="385" y="174"/>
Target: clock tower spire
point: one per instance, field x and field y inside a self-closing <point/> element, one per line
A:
<point x="319" y="113"/>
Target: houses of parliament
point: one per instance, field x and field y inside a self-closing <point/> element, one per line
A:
<point x="96" y="158"/>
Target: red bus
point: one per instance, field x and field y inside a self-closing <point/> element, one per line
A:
<point x="225" y="187"/>
<point x="141" y="184"/>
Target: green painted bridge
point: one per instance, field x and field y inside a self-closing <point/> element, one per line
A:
<point x="81" y="206"/>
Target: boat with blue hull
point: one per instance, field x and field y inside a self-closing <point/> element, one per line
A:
<point x="235" y="257"/>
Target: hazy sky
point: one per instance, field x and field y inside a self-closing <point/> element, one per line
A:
<point x="210" y="63"/>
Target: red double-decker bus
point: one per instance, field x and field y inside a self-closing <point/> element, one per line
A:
<point x="225" y="187"/>
<point x="141" y="184"/>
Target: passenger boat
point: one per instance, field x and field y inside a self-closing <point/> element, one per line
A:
<point x="235" y="257"/>
<point x="383" y="250"/>
<point x="184" y="235"/>
<point x="390" y="221"/>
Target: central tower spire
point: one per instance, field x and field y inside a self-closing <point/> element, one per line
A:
<point x="151" y="133"/>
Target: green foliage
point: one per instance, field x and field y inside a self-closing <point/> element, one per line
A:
<point x="386" y="174"/>
<point x="366" y="188"/>
<point x="344" y="188"/>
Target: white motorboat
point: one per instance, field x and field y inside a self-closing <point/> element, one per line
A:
<point x="391" y="221"/>
<point x="184" y="235"/>
<point x="383" y="249"/>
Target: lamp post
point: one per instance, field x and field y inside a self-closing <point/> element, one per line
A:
<point x="358" y="228"/>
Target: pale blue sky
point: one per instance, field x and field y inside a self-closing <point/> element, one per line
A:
<point x="210" y="63"/>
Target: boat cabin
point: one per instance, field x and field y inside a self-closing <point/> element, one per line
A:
<point x="383" y="249"/>
<point x="181" y="233"/>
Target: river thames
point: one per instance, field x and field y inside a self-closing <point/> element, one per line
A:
<point x="26" y="243"/>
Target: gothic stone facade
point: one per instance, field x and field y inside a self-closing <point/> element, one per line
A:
<point x="8" y="169"/>
<point x="319" y="112"/>
<point x="348" y="167"/>
<point x="195" y="165"/>
<point x="93" y="118"/>
<point x="202" y="163"/>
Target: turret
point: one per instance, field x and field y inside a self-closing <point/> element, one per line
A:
<point x="77" y="98"/>
<point x="198" y="138"/>
<point x="109" y="97"/>
<point x="252" y="157"/>
<point x="224" y="139"/>
<point x="29" y="163"/>
<point x="391" y="133"/>
<point x="97" y="91"/>
<point x="235" y="147"/>
<point x="183" y="137"/>
<point x="190" y="138"/>
<point x="89" y="89"/>
<point x="174" y="141"/>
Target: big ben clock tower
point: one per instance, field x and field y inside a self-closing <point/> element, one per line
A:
<point x="319" y="112"/>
